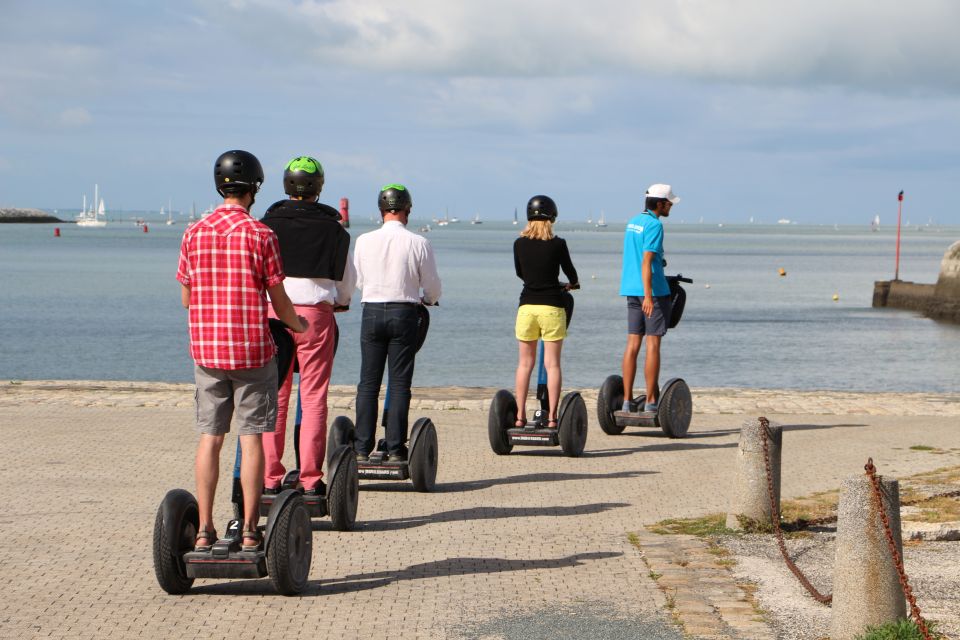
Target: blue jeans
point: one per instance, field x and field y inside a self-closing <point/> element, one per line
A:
<point x="388" y="336"/>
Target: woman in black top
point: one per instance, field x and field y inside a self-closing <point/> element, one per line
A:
<point x="538" y="256"/>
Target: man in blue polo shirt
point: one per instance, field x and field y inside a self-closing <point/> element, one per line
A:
<point x="647" y="291"/>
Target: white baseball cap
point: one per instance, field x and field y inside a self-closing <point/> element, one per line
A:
<point x="662" y="191"/>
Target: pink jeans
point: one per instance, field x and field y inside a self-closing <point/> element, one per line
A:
<point x="314" y="351"/>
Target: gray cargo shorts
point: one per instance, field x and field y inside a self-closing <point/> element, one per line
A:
<point x="654" y="325"/>
<point x="248" y="396"/>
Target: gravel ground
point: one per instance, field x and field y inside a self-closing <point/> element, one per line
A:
<point x="933" y="569"/>
<point x="592" y="620"/>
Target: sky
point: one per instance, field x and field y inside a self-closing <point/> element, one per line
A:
<point x="817" y="111"/>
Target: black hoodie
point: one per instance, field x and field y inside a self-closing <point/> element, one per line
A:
<point x="313" y="243"/>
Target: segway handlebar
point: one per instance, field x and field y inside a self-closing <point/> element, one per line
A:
<point x="679" y="278"/>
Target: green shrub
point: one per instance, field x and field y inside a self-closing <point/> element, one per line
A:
<point x="899" y="630"/>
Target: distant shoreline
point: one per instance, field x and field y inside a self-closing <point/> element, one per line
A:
<point x="31" y="216"/>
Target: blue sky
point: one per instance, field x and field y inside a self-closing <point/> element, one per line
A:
<point x="818" y="111"/>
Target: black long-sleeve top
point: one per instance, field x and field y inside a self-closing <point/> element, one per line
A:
<point x="538" y="264"/>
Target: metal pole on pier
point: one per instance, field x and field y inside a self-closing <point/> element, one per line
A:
<point x="896" y="272"/>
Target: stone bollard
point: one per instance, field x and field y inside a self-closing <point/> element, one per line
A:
<point x="751" y="498"/>
<point x="866" y="586"/>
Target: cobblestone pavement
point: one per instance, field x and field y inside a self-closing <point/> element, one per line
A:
<point x="509" y="546"/>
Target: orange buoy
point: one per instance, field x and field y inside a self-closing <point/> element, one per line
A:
<point x="782" y="271"/>
<point x="56" y="232"/>
<point x="145" y="228"/>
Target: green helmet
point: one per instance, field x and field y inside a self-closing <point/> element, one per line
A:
<point x="394" y="197"/>
<point x="303" y="177"/>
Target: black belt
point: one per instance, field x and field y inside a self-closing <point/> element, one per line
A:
<point x="388" y="305"/>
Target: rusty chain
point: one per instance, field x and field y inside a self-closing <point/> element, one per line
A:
<point x="775" y="520"/>
<point x="895" y="554"/>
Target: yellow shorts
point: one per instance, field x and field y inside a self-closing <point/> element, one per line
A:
<point x="536" y="321"/>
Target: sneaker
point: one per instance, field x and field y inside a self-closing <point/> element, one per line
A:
<point x="363" y="457"/>
<point x="318" y="491"/>
<point x="628" y="406"/>
<point x="398" y="456"/>
<point x="650" y="406"/>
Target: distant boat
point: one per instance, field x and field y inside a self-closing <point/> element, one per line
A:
<point x="207" y="211"/>
<point x="169" y="213"/>
<point x="476" y="220"/>
<point x="600" y="221"/>
<point x="875" y="224"/>
<point x="453" y="220"/>
<point x="783" y="221"/>
<point x="590" y="218"/>
<point x="96" y="216"/>
<point x="514" y="215"/>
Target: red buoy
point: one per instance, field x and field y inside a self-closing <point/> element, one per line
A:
<point x="145" y="229"/>
<point x="56" y="232"/>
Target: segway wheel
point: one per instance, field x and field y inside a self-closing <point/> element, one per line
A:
<point x="676" y="409"/>
<point x="502" y="416"/>
<point x="174" y="534"/>
<point x="341" y="432"/>
<point x="343" y="494"/>
<point x="609" y="400"/>
<point x="290" y="548"/>
<point x="424" y="456"/>
<point x="573" y="424"/>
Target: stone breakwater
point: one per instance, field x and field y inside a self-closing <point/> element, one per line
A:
<point x="940" y="301"/>
<point x="706" y="401"/>
<point x="26" y="215"/>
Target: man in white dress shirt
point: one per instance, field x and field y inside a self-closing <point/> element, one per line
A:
<point x="393" y="265"/>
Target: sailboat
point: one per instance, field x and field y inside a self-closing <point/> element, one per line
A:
<point x="96" y="216"/>
<point x="514" y="215"/>
<point x="600" y="221"/>
<point x="876" y="223"/>
<point x="476" y="220"/>
<point x="169" y="213"/>
<point x="589" y="218"/>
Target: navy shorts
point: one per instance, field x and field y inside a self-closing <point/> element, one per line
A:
<point x="656" y="324"/>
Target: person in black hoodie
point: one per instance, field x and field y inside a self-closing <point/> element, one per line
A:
<point x="314" y="248"/>
<point x="538" y="256"/>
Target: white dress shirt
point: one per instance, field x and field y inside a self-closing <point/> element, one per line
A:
<point x="393" y="264"/>
<point x="309" y="291"/>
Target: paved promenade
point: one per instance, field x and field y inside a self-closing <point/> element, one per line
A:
<point x="531" y="545"/>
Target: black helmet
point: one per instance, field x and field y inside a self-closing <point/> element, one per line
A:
<point x="542" y="208"/>
<point x="237" y="172"/>
<point x="394" y="197"/>
<point x="303" y="177"/>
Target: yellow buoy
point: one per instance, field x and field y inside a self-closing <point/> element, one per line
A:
<point x="836" y="297"/>
<point x="782" y="271"/>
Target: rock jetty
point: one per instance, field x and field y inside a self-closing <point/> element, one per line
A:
<point x="26" y="215"/>
<point x="940" y="301"/>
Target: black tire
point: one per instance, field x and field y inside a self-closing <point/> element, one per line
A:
<point x="290" y="548"/>
<point x="341" y="432"/>
<point x="174" y="534"/>
<point x="502" y="416"/>
<point x="424" y="457"/>
<point x="610" y="399"/>
<point x="676" y="409"/>
<point x="573" y="424"/>
<point x="343" y="494"/>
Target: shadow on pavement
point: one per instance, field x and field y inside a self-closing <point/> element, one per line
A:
<point x="485" y="513"/>
<point x="474" y="485"/>
<point x="377" y="579"/>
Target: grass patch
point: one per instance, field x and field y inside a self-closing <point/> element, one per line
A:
<point x="922" y="447"/>
<point x="817" y="505"/>
<point x="714" y="524"/>
<point x="900" y="630"/>
<point x="939" y="510"/>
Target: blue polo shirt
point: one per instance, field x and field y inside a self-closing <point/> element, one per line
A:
<point x="644" y="233"/>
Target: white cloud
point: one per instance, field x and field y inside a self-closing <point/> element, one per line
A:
<point x="75" y="117"/>
<point x="878" y="44"/>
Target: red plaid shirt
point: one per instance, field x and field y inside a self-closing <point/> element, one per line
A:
<point x="229" y="260"/>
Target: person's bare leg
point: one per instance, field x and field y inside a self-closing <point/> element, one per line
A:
<point x="525" y="361"/>
<point x="251" y="477"/>
<point x="551" y="360"/>
<point x="629" y="366"/>
<point x="651" y="368"/>
<point x="207" y="472"/>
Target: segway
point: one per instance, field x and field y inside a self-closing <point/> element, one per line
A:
<point x="571" y="432"/>
<point x="420" y="467"/>
<point x="284" y="555"/>
<point x="675" y="405"/>
<point x="343" y="491"/>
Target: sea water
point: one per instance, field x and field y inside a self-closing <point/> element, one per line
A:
<point x="104" y="304"/>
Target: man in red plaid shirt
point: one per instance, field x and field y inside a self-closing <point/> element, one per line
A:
<point x="229" y="262"/>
